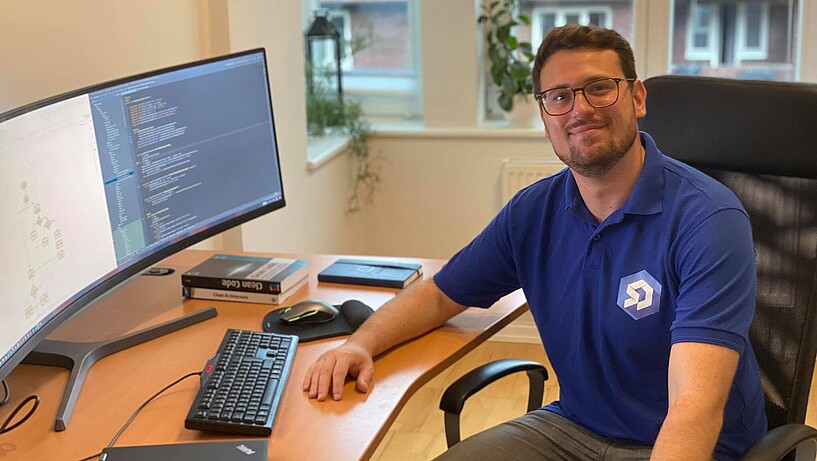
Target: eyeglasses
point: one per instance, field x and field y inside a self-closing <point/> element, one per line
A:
<point x="598" y="93"/>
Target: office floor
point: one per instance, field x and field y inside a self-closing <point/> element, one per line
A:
<point x="418" y="435"/>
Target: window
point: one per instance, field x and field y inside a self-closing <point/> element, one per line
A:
<point x="545" y="18"/>
<point x="732" y="39"/>
<point x="343" y="24"/>
<point x="703" y="31"/>
<point x="753" y="31"/>
<point x="380" y="62"/>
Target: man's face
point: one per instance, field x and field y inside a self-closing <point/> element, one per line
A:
<point x="587" y="139"/>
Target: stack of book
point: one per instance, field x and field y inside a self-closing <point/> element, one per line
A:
<point x="245" y="278"/>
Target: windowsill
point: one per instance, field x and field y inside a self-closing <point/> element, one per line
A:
<point x="321" y="150"/>
<point x="324" y="149"/>
<point x="488" y="129"/>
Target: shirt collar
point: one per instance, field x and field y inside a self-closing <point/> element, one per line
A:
<point x="646" y="197"/>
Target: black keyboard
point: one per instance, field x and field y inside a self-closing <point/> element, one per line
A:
<point x="242" y="384"/>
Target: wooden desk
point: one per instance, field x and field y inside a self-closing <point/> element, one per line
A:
<point x="304" y="429"/>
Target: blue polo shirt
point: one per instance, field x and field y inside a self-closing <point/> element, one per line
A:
<point x="675" y="264"/>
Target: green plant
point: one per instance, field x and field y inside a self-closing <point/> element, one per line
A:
<point x="510" y="59"/>
<point x="327" y="113"/>
<point x="324" y="109"/>
<point x="365" y="175"/>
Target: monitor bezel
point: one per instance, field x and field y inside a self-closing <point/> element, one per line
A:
<point x="121" y="277"/>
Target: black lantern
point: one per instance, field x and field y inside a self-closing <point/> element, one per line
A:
<point x="322" y="47"/>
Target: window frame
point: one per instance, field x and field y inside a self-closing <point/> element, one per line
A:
<point x="743" y="52"/>
<point x="711" y="52"/>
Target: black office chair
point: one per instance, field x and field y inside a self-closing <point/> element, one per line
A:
<point x="759" y="139"/>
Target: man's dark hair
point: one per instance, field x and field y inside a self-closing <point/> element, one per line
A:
<point x="575" y="37"/>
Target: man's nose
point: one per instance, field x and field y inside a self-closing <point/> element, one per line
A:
<point x="580" y="104"/>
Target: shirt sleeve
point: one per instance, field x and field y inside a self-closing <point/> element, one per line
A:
<point x="483" y="271"/>
<point x="717" y="281"/>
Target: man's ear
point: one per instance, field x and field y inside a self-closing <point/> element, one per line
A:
<point x="639" y="98"/>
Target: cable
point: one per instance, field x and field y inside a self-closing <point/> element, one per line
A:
<point x="197" y="373"/>
<point x="6" y="398"/>
<point x="143" y="405"/>
<point x="6" y="428"/>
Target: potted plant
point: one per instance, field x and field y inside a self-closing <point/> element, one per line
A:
<point x="511" y="59"/>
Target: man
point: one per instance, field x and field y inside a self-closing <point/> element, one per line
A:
<point x="639" y="273"/>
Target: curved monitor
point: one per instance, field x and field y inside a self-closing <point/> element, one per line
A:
<point x="99" y="184"/>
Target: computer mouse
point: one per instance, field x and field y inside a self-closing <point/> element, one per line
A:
<point x="309" y="311"/>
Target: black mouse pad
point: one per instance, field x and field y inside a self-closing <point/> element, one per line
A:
<point x="352" y="314"/>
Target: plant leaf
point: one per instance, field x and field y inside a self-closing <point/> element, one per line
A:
<point x="505" y="101"/>
<point x="497" y="73"/>
<point x="519" y="71"/>
<point x="502" y="33"/>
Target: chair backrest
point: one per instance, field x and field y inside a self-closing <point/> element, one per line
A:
<point x="760" y="140"/>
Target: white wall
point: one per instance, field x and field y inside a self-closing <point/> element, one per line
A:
<point x="439" y="192"/>
<point x="48" y="47"/>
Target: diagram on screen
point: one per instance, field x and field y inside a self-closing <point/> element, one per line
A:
<point x="43" y="245"/>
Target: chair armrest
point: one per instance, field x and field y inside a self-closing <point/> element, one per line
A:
<point x="778" y="442"/>
<point x="459" y="391"/>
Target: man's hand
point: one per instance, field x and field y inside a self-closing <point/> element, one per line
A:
<point x="394" y="323"/>
<point x="329" y="371"/>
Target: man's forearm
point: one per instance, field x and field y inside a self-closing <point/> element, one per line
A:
<point x="699" y="379"/>
<point x="689" y="433"/>
<point x="417" y="310"/>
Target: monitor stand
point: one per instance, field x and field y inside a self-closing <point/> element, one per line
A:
<point x="79" y="357"/>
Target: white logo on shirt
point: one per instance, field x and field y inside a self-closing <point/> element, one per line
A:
<point x="639" y="294"/>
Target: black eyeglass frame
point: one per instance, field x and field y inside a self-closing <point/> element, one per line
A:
<point x="540" y="96"/>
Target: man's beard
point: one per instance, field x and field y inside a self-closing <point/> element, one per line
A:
<point x="595" y="161"/>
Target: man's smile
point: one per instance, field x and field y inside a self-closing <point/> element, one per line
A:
<point x="584" y="128"/>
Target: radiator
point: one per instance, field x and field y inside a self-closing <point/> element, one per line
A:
<point x="519" y="172"/>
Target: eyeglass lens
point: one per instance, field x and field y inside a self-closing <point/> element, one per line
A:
<point x="598" y="93"/>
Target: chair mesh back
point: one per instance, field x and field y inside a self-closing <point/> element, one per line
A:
<point x="783" y="212"/>
<point x="760" y="140"/>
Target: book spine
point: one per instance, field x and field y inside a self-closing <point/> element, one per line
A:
<point x="217" y="283"/>
<point x="372" y="282"/>
<point x="229" y="295"/>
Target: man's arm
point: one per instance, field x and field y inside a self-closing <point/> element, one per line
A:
<point x="418" y="309"/>
<point x="700" y="376"/>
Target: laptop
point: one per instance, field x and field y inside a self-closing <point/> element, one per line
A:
<point x="235" y="450"/>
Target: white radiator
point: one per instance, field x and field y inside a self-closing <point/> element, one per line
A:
<point x="519" y="172"/>
<point x="516" y="173"/>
